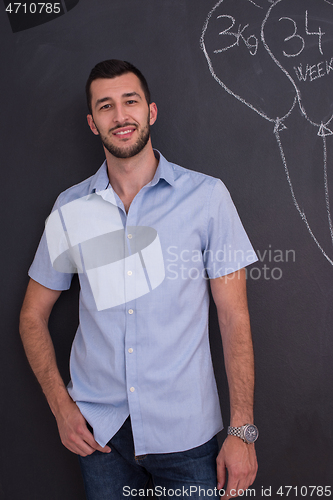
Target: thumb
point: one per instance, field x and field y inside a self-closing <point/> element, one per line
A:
<point x="106" y="449"/>
<point x="221" y="473"/>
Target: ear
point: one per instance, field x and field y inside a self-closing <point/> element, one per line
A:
<point x="153" y="113"/>
<point x="92" y="125"/>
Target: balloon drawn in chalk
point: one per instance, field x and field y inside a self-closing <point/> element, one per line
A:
<point x="290" y="40"/>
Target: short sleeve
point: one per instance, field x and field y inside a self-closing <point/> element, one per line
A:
<point x="45" y="268"/>
<point x="228" y="247"/>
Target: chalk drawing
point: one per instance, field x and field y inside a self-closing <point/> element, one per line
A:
<point x="304" y="33"/>
<point x="255" y="4"/>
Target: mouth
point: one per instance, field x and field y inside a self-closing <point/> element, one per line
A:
<point x="124" y="132"/>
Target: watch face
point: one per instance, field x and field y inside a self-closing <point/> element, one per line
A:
<point x="251" y="433"/>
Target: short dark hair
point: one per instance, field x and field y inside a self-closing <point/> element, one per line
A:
<point x="110" y="69"/>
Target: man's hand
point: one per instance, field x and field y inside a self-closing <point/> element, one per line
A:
<point x="74" y="433"/>
<point x="36" y="309"/>
<point x="240" y="460"/>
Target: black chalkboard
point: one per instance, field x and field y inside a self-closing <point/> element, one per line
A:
<point x="244" y="92"/>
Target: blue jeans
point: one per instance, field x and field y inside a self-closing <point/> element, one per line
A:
<point x="120" y="474"/>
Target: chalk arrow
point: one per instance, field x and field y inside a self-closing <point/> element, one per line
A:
<point x="279" y="126"/>
<point x="324" y="131"/>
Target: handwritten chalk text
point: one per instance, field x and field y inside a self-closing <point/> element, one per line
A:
<point x="312" y="72"/>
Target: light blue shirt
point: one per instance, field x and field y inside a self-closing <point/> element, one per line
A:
<point x="142" y="347"/>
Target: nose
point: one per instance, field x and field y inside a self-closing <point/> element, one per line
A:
<point x="120" y="114"/>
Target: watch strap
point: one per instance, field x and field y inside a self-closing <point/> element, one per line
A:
<point x="236" y="431"/>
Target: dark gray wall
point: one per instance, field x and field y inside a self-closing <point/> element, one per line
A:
<point x="219" y="121"/>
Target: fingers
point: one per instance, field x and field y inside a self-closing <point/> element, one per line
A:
<point x="78" y="439"/>
<point x="241" y="462"/>
<point x="221" y="472"/>
<point x="75" y="435"/>
<point x="238" y="482"/>
<point x="82" y="442"/>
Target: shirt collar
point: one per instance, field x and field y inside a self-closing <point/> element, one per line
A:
<point x="100" y="180"/>
<point x="165" y="170"/>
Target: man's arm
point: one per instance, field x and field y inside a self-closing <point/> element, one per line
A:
<point x="239" y="458"/>
<point x="36" y="309"/>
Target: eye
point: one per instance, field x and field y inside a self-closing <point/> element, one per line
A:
<point x="131" y="101"/>
<point x="106" y="106"/>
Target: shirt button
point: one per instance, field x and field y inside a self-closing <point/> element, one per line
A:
<point x="129" y="236"/>
<point x="132" y="389"/>
<point x="130" y="350"/>
<point x="129" y="273"/>
<point x="130" y="311"/>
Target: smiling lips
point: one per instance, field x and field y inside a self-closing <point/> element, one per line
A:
<point x="124" y="132"/>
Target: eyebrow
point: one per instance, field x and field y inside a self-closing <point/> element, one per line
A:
<point x="127" y="94"/>
<point x="132" y="94"/>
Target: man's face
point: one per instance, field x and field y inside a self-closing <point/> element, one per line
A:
<point x="121" y="115"/>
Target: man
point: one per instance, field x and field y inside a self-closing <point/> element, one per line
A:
<point x="146" y="236"/>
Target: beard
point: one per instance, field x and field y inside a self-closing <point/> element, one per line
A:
<point x="123" y="152"/>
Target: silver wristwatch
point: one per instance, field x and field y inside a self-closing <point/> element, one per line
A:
<point x="248" y="433"/>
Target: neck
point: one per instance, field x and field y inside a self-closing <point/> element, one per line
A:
<point x="128" y="175"/>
